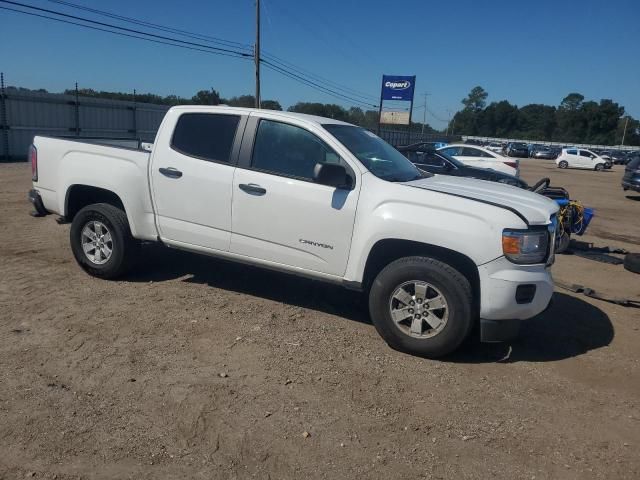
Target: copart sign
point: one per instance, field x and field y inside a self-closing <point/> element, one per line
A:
<point x="396" y="87"/>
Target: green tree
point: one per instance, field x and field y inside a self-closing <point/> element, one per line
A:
<point x="270" y="105"/>
<point x="206" y="97"/>
<point x="476" y="100"/>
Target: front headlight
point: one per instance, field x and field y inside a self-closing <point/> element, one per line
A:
<point x="525" y="247"/>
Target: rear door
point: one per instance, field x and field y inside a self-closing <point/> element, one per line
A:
<point x="572" y="157"/>
<point x="279" y="213"/>
<point x="192" y="179"/>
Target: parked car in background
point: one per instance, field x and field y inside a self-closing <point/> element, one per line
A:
<point x="546" y="153"/>
<point x="631" y="179"/>
<point x="619" y="158"/>
<point x="429" y="160"/>
<point x="482" y="158"/>
<point x="580" y="158"/>
<point x="517" y="149"/>
<point x="495" y="147"/>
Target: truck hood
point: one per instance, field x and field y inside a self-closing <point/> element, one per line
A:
<point x="536" y="209"/>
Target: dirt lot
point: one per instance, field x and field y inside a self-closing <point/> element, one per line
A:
<point x="197" y="368"/>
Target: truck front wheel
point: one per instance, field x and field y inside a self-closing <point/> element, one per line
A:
<point x="422" y="306"/>
<point x="101" y="241"/>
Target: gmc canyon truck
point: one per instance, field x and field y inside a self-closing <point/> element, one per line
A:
<point x="316" y="197"/>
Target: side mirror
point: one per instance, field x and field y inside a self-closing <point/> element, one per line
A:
<point x="332" y="175"/>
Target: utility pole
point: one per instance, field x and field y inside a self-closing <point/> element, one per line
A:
<point x="452" y="122"/>
<point x="424" y="117"/>
<point x="624" y="133"/>
<point x="257" y="53"/>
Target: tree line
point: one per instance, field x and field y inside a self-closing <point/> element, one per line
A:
<point x="575" y="120"/>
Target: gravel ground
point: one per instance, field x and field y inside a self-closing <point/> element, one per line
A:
<point x="199" y="368"/>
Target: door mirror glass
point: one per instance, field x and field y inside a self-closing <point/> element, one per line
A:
<point x="332" y="175"/>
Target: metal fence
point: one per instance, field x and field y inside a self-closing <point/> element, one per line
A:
<point x="26" y="114"/>
<point x="407" y="137"/>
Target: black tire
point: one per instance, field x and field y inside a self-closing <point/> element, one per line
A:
<point x="124" y="246"/>
<point x="563" y="164"/>
<point x="599" y="167"/>
<point x="632" y="262"/>
<point x="453" y="286"/>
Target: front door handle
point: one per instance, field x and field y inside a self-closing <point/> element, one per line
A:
<point x="252" y="189"/>
<point x="170" y="172"/>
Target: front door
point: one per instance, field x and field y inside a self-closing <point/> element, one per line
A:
<point x="279" y="214"/>
<point x="192" y="178"/>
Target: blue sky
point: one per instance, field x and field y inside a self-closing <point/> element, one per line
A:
<point x="524" y="52"/>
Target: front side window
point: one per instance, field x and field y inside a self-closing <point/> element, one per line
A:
<point x="290" y="151"/>
<point x="375" y="154"/>
<point x="585" y="153"/>
<point x="433" y="160"/>
<point x="205" y="135"/>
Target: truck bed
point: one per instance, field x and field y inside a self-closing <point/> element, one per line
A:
<point x="66" y="163"/>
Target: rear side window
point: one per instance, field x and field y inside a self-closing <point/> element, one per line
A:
<point x="572" y="152"/>
<point x="205" y="135"/>
<point x="290" y="151"/>
<point x="452" y="151"/>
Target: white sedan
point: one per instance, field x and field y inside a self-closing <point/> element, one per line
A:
<point x="482" y="158"/>
<point x="580" y="158"/>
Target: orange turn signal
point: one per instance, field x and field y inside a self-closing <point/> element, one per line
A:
<point x="510" y="245"/>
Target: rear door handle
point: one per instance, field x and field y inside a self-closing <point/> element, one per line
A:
<point x="170" y="172"/>
<point x="252" y="189"/>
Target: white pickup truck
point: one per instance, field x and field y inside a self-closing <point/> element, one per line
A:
<point x="311" y="196"/>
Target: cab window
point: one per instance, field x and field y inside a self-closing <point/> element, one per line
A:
<point x="289" y="150"/>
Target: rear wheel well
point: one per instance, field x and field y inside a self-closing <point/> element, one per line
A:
<point x="79" y="196"/>
<point x="386" y="251"/>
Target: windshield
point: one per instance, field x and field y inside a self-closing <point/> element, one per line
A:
<point x="376" y="155"/>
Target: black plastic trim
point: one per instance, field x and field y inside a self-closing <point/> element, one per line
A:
<point x="36" y="200"/>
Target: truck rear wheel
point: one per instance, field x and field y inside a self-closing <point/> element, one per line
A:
<point x="422" y="306"/>
<point x="101" y="241"/>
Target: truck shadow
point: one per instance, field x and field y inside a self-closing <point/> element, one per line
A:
<point x="163" y="264"/>
<point x="569" y="328"/>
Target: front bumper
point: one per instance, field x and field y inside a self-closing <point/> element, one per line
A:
<point x="632" y="185"/>
<point x="502" y="285"/>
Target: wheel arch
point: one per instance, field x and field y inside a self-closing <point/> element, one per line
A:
<point x="79" y="196"/>
<point x="386" y="251"/>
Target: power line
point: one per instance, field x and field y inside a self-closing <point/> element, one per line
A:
<point x="208" y="38"/>
<point x="161" y="39"/>
<point x="95" y="22"/>
<point x="318" y="78"/>
<point x="289" y="74"/>
<point x="283" y="63"/>
<point x="118" y="33"/>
